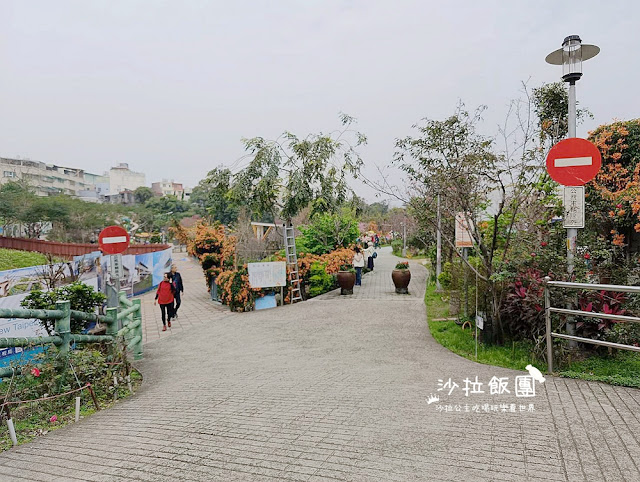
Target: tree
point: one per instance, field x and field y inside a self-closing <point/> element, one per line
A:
<point x="327" y="232"/>
<point x="551" y="105"/>
<point x="13" y="198"/>
<point x="142" y="194"/>
<point x="213" y="194"/>
<point x="290" y="173"/>
<point x="490" y="186"/>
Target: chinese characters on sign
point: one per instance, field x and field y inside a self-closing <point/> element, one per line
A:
<point x="573" y="207"/>
<point x="524" y="386"/>
<point x="486" y="408"/>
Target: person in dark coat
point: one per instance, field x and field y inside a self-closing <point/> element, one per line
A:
<point x="164" y="297"/>
<point x="176" y="280"/>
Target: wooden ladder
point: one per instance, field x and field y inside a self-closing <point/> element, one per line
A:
<point x="292" y="262"/>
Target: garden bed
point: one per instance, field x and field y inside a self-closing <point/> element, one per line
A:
<point x="49" y="375"/>
<point x="621" y="368"/>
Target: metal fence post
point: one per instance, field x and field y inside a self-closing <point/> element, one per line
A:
<point x="63" y="326"/>
<point x="547" y="319"/>
<point x="137" y="317"/>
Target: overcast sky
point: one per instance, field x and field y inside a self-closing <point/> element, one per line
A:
<point x="171" y="87"/>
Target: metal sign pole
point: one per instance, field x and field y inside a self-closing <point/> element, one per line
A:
<point x="476" y="323"/>
<point x="572" y="233"/>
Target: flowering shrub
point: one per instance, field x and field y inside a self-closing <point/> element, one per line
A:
<point x="235" y="290"/>
<point x="402" y="265"/>
<point x="214" y="248"/>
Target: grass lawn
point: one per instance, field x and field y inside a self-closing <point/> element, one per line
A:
<point x="452" y="336"/>
<point x="12" y="259"/>
<point x="622" y="368"/>
<point x="436" y="307"/>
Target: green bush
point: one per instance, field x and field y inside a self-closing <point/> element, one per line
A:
<point x="396" y="246"/>
<point x="319" y="281"/>
<point x="327" y="232"/>
<point x="82" y="297"/>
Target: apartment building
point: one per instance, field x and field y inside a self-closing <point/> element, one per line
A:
<point x="168" y="188"/>
<point x="121" y="178"/>
<point x="45" y="179"/>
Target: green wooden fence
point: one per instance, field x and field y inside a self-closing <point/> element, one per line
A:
<point x="129" y="313"/>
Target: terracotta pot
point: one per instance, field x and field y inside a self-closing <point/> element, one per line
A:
<point x="346" y="281"/>
<point x="401" y="279"/>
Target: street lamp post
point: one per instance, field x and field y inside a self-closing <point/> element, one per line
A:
<point x="404" y="239"/>
<point x="438" y="249"/>
<point x="571" y="55"/>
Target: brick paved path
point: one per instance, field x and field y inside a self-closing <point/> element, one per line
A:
<point x="196" y="307"/>
<point x="335" y="388"/>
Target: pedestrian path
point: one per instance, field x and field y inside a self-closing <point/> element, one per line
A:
<point x="196" y="309"/>
<point x="337" y="388"/>
<point x="377" y="284"/>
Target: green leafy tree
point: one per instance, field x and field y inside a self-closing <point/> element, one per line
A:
<point x="451" y="159"/>
<point x="551" y="105"/>
<point x="142" y="194"/>
<point x="290" y="173"/>
<point x="213" y="194"/>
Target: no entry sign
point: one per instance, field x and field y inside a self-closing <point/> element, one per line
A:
<point x="573" y="162"/>
<point x="113" y="240"/>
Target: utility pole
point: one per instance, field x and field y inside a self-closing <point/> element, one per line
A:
<point x="438" y="249"/>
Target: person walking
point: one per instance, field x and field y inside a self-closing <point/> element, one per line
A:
<point x="176" y="280"/>
<point x="164" y="297"/>
<point x="358" y="264"/>
<point x="368" y="253"/>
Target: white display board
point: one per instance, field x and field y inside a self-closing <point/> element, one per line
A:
<point x="463" y="233"/>
<point x="267" y="275"/>
<point x="573" y="207"/>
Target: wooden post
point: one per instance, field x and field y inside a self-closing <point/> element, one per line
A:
<point x="93" y="396"/>
<point x="63" y="326"/>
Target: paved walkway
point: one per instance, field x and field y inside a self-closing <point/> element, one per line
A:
<point x="336" y="388"/>
<point x="196" y="307"/>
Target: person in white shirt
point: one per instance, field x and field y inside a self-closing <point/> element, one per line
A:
<point x="368" y="254"/>
<point x="358" y="264"/>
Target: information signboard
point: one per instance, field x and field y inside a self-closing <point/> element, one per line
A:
<point x="267" y="275"/>
<point x="463" y="234"/>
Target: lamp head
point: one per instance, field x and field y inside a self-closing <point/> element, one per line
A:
<point x="571" y="56"/>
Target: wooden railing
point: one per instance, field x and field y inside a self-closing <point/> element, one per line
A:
<point x="69" y="250"/>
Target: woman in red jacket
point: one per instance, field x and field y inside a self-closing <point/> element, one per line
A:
<point x="164" y="296"/>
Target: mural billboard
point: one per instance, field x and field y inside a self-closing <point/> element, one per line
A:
<point x="142" y="272"/>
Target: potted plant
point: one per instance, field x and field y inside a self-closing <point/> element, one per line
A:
<point x="346" y="279"/>
<point x="401" y="277"/>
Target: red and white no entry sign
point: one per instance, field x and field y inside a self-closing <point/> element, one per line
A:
<point x="113" y="240"/>
<point x="573" y="162"/>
